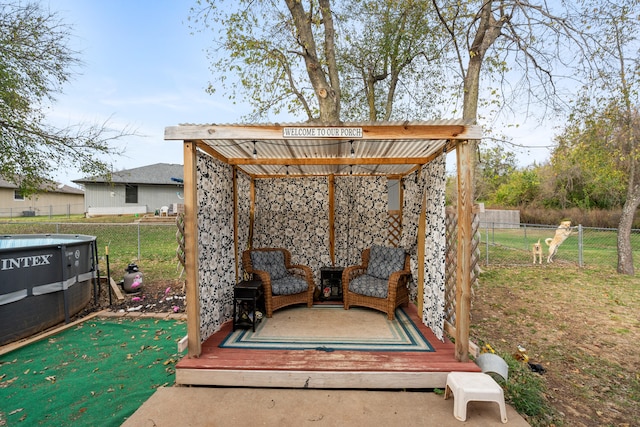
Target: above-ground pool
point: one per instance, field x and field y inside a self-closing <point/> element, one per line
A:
<point x="44" y="279"/>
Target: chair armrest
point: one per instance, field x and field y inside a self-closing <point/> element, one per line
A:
<point x="399" y="277"/>
<point x="304" y="269"/>
<point x="353" y="271"/>
<point x="350" y="273"/>
<point x="265" y="278"/>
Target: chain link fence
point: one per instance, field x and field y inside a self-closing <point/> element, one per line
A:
<point x="154" y="246"/>
<point x="151" y="246"/>
<point x="42" y="210"/>
<point x="512" y="244"/>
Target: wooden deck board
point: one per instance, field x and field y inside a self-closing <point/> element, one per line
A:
<point x="288" y="368"/>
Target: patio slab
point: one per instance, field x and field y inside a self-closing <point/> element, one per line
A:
<point x="215" y="406"/>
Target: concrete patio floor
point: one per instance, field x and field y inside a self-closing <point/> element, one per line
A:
<point x="219" y="407"/>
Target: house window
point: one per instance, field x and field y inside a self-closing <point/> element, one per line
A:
<point x="131" y="194"/>
<point x="17" y="195"/>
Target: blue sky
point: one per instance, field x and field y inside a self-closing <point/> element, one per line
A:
<point x="144" y="70"/>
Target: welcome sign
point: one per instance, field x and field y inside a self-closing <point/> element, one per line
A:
<point x="322" y="132"/>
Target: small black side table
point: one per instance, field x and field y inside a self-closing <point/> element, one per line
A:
<point x="246" y="296"/>
<point x="331" y="280"/>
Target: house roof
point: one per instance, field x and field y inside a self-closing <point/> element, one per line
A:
<point x="156" y="174"/>
<point x="49" y="187"/>
<point x="369" y="148"/>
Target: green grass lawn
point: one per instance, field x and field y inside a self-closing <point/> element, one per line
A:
<point x="581" y="324"/>
<point x="151" y="246"/>
<point x="513" y="246"/>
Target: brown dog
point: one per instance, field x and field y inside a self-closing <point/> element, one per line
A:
<point x="562" y="232"/>
<point x="537" y="252"/>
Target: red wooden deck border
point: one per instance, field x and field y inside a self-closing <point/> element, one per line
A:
<point x="215" y="358"/>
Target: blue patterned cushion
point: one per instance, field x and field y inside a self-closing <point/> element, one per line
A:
<point x="385" y="260"/>
<point x="370" y="286"/>
<point x="270" y="261"/>
<point x="288" y="285"/>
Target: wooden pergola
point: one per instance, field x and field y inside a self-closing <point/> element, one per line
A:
<point x="279" y="150"/>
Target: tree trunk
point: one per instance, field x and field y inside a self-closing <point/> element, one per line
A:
<point x="327" y="91"/>
<point x="625" y="253"/>
<point x="487" y="33"/>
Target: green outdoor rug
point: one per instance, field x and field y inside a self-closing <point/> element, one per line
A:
<point x="95" y="374"/>
<point x="330" y="328"/>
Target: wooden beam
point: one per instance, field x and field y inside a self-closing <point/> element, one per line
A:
<point x="290" y="161"/>
<point x="46" y="334"/>
<point x="209" y="150"/>
<point x="311" y="379"/>
<point x="369" y="132"/>
<point x="191" y="249"/>
<point x="464" y="155"/>
<point x="116" y="289"/>
<point x="473" y="347"/>
<point x="183" y="343"/>
<point x="323" y="175"/>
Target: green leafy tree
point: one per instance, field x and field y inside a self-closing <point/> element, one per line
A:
<point x="494" y="168"/>
<point x="521" y="188"/>
<point x="585" y="175"/>
<point x="605" y="125"/>
<point x="35" y="63"/>
<point x="391" y="60"/>
<point x="328" y="61"/>
<point x="519" y="45"/>
<point x="284" y="56"/>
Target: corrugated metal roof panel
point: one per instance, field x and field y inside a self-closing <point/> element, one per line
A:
<point x="393" y="148"/>
<point x="440" y="122"/>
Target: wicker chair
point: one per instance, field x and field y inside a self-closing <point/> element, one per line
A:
<point x="366" y="287"/>
<point x="293" y="284"/>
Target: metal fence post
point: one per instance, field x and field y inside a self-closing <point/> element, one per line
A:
<point x="580" y="246"/>
<point x="138" y="241"/>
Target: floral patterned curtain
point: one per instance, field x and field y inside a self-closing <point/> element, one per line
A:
<point x="216" y="248"/>
<point x="243" y="184"/>
<point x="435" y="248"/>
<point x="293" y="213"/>
<point x="414" y="185"/>
<point x="361" y="216"/>
<point x="427" y="187"/>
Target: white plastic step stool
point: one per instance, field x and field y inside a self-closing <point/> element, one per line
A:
<point x="473" y="386"/>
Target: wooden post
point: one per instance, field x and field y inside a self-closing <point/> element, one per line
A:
<point x="464" y="153"/>
<point x="191" y="249"/>
<point x="332" y="231"/>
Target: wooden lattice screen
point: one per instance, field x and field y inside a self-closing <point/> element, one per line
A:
<point x="395" y="228"/>
<point x="451" y="257"/>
